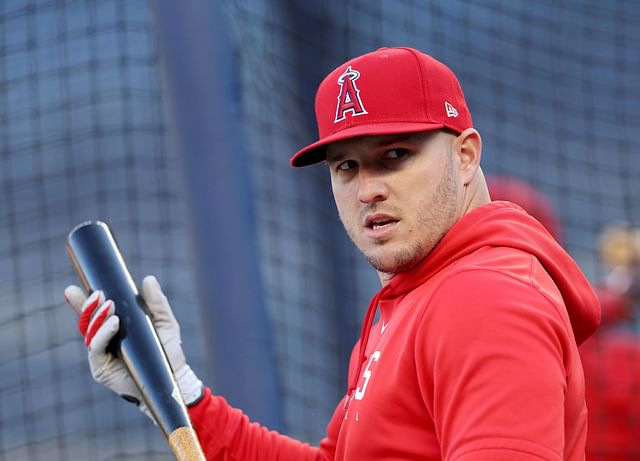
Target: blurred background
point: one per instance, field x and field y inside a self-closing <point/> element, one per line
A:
<point x="174" y="123"/>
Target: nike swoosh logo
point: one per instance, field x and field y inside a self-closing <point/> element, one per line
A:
<point x="384" y="326"/>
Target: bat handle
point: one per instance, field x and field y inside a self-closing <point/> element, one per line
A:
<point x="184" y="443"/>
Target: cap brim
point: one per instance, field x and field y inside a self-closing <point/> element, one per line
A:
<point x="317" y="152"/>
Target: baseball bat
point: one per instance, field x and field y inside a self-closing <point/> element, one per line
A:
<point x="100" y="265"/>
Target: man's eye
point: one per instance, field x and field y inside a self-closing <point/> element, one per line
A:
<point x="396" y="153"/>
<point x="347" y="165"/>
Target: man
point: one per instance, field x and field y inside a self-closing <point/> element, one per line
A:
<point x="475" y="356"/>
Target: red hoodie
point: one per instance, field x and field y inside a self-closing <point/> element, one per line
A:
<point x="475" y="358"/>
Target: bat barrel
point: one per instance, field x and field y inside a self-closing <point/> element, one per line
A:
<point x="100" y="265"/>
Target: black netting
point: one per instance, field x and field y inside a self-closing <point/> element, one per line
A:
<point x="552" y="86"/>
<point x="82" y="137"/>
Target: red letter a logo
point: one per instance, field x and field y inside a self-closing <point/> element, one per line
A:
<point x="349" y="97"/>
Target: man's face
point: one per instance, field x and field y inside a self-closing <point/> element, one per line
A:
<point x="397" y="196"/>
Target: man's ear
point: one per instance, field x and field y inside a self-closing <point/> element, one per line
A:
<point x="468" y="147"/>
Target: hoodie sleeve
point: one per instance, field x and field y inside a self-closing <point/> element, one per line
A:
<point x="494" y="356"/>
<point x="226" y="434"/>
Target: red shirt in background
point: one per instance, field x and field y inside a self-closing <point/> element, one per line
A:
<point x="611" y="360"/>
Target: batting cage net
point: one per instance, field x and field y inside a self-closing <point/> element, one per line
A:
<point x="82" y="137"/>
<point x="87" y="132"/>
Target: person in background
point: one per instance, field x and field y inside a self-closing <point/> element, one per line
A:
<point x="611" y="357"/>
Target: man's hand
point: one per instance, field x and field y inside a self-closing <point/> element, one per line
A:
<point x="99" y="325"/>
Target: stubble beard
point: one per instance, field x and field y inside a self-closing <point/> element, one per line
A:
<point x="434" y="219"/>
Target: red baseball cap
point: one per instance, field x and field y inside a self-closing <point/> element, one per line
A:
<point x="387" y="91"/>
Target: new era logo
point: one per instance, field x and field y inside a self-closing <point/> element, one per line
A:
<point x="451" y="111"/>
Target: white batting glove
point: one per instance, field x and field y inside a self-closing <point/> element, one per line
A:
<point x="99" y="325"/>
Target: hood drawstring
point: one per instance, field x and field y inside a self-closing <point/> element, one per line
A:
<point x="367" y="324"/>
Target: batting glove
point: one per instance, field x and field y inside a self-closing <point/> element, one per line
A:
<point x="99" y="325"/>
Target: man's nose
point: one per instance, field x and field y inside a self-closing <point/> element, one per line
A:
<point x="371" y="187"/>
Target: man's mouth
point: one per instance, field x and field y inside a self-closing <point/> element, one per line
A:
<point x="378" y="223"/>
<point x="381" y="224"/>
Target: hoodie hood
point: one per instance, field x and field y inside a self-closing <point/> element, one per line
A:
<point x="499" y="224"/>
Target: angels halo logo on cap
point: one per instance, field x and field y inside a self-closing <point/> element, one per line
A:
<point x="349" y="96"/>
